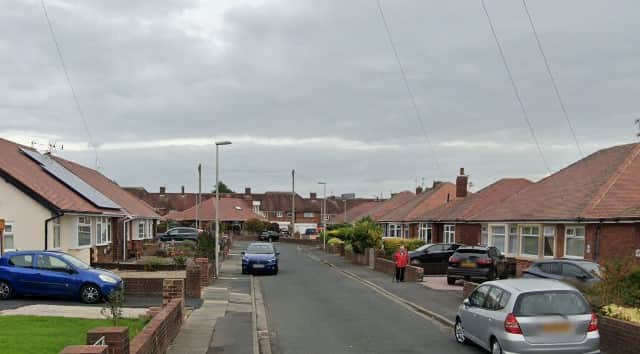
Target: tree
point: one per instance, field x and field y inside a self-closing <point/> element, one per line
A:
<point x="366" y="234"/>
<point x="255" y="225"/>
<point x="223" y="188"/>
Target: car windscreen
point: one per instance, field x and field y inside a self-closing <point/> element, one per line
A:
<point x="470" y="253"/>
<point x="552" y="302"/>
<point x="424" y="247"/>
<point x="75" y="261"/>
<point x="592" y="268"/>
<point x="260" y="249"/>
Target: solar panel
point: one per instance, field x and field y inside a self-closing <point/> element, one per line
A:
<point x="70" y="180"/>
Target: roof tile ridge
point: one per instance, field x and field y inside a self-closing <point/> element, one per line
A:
<point x="611" y="181"/>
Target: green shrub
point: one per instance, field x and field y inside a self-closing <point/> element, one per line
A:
<point x="161" y="252"/>
<point x="206" y="245"/>
<point x="348" y="248"/>
<point x="365" y="234"/>
<point x="392" y="244"/>
<point x="335" y="241"/>
<point x="620" y="286"/>
<point x="180" y="260"/>
<point x="152" y="263"/>
<point x="622" y="313"/>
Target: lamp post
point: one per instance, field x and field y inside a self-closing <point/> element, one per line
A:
<point x="218" y="143"/>
<point x="323" y="211"/>
<point x="345" y="211"/>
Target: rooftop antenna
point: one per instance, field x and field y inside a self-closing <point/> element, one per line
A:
<point x="638" y="124"/>
<point x="54" y="147"/>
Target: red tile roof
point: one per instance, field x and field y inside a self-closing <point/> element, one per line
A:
<point x="29" y="174"/>
<point x="231" y="209"/>
<point x="421" y="203"/>
<point x="603" y="185"/>
<point x="379" y="209"/>
<point x="130" y="203"/>
<point x="464" y="208"/>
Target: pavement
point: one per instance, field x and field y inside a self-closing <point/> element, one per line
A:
<point x="224" y="323"/>
<point x="316" y="308"/>
<point x="70" y="311"/>
<point x="48" y="304"/>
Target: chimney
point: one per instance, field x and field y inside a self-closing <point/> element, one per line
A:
<point x="247" y="191"/>
<point x="163" y="190"/>
<point x="182" y="189"/>
<point x="418" y="190"/>
<point x="461" y="184"/>
<point x="312" y="196"/>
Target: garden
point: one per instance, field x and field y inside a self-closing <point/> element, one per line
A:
<point x="618" y="294"/>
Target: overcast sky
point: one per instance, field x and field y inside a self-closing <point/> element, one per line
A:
<point x="314" y="86"/>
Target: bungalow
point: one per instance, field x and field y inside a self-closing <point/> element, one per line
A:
<point x="46" y="206"/>
<point x="375" y="210"/>
<point x="402" y="221"/>
<point x="588" y="210"/>
<point x="233" y="213"/>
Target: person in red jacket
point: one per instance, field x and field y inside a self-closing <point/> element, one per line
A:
<point x="401" y="257"/>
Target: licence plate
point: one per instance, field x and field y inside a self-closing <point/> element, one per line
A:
<point x="468" y="265"/>
<point x="258" y="266"/>
<point x="557" y="327"/>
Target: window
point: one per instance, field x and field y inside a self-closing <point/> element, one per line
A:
<point x="84" y="231"/>
<point x="141" y="230"/>
<point x="512" y="243"/>
<point x="278" y="214"/>
<point x="326" y="217"/>
<point x="308" y="215"/>
<point x="566" y="302"/>
<point x="574" y="241"/>
<point x="498" y="236"/>
<point x="449" y="233"/>
<point x="150" y="229"/>
<point x="493" y="299"/>
<point x="529" y="240"/>
<point x="549" y="240"/>
<point x="256" y="206"/>
<point x="103" y="231"/>
<point x="484" y="235"/>
<point x="9" y="241"/>
<point x="571" y="271"/>
<point x="22" y="261"/>
<point x="56" y="233"/>
<point x="395" y="230"/>
<point x="479" y="295"/>
<point x="424" y="232"/>
<point x="550" y="268"/>
<point x="51" y="263"/>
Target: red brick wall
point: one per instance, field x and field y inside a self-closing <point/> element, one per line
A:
<point x="158" y="334"/>
<point x="103" y="253"/>
<point x="468" y="234"/>
<point x="143" y="286"/>
<point x="468" y="288"/>
<point x="618" y="241"/>
<point x="192" y="283"/>
<point x="616" y="336"/>
<point x="411" y="273"/>
<point x="117" y="338"/>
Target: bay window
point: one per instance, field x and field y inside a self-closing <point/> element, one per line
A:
<point x="484" y="235"/>
<point x="449" y="233"/>
<point x="83" y="231"/>
<point x="498" y="236"/>
<point x="574" y="241"/>
<point x="103" y="231"/>
<point x="549" y="241"/>
<point x="529" y="240"/>
<point x="512" y="243"/>
<point x="424" y="232"/>
<point x="141" y="230"/>
<point x="395" y="230"/>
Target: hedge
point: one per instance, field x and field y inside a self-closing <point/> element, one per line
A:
<point x="391" y="244"/>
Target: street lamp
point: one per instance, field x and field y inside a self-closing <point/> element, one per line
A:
<point x="218" y="143"/>
<point x="323" y="211"/>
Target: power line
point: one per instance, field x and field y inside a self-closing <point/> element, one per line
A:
<point x="552" y="78"/>
<point x="525" y="115"/>
<point x="408" y="87"/>
<point x="66" y="75"/>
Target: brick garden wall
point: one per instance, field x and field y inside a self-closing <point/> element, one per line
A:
<point x="616" y="336"/>
<point x="468" y="288"/>
<point x="158" y="334"/>
<point x="143" y="286"/>
<point x="411" y="273"/>
<point x="134" y="267"/>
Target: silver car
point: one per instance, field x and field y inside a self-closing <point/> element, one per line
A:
<point x="528" y="316"/>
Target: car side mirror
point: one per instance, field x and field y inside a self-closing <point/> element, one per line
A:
<point x="242" y="253"/>
<point x="582" y="277"/>
<point x="466" y="302"/>
<point x="70" y="271"/>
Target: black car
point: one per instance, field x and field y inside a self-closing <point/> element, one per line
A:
<point x="180" y="234"/>
<point x="433" y="253"/>
<point x="477" y="263"/>
<point x="269" y="236"/>
<point x="565" y="269"/>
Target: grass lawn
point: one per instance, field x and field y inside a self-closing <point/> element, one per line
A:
<point x="43" y="335"/>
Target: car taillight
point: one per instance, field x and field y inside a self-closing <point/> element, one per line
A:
<point x="511" y="324"/>
<point x="593" y="324"/>
<point x="484" y="261"/>
<point x="454" y="259"/>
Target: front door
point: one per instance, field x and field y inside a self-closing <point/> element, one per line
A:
<point x="55" y="276"/>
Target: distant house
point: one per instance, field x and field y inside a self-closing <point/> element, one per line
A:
<point x="233" y="214"/>
<point x="376" y="210"/>
<point x="51" y="203"/>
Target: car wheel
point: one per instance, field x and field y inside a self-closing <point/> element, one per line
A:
<point x="495" y="347"/>
<point x="275" y="272"/>
<point x="451" y="281"/>
<point x="458" y="331"/>
<point x="5" y="290"/>
<point x="90" y="294"/>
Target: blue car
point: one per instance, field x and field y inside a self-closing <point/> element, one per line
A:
<point x="49" y="273"/>
<point x="260" y="257"/>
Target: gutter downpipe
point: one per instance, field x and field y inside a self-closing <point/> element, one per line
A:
<point x="596" y="248"/>
<point x="46" y="228"/>
<point x="127" y="219"/>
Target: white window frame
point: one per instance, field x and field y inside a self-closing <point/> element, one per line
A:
<point x="449" y="233"/>
<point x="12" y="234"/>
<point x="574" y="236"/>
<point x="543" y="239"/>
<point x="103" y="231"/>
<point x="523" y="235"/>
<point x="141" y="235"/>
<point x="505" y="237"/>
<point x="425" y="232"/>
<point x="78" y="225"/>
<point x="516" y="240"/>
<point x="279" y="214"/>
<point x="150" y="232"/>
<point x="484" y="235"/>
<point x="308" y="214"/>
<point x="395" y="230"/>
<point x="56" y="233"/>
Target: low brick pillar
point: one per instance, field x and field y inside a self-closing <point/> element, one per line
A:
<point x="411" y="273"/>
<point x="116" y="338"/>
<point x="203" y="263"/>
<point x="153" y="311"/>
<point x="172" y="289"/>
<point x="193" y="281"/>
<point x="85" y="349"/>
<point x="617" y="336"/>
<point x="468" y="288"/>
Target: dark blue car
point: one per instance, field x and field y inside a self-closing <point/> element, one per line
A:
<point x="260" y="257"/>
<point x="48" y="273"/>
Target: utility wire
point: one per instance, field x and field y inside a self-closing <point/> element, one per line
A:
<point x="66" y="75"/>
<point x="525" y="115"/>
<point x="409" y="90"/>
<point x="552" y="78"/>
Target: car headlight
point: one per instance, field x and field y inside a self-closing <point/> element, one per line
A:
<point x="272" y="260"/>
<point x="245" y="259"/>
<point x="107" y="279"/>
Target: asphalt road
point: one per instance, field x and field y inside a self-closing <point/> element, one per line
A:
<point x="312" y="308"/>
